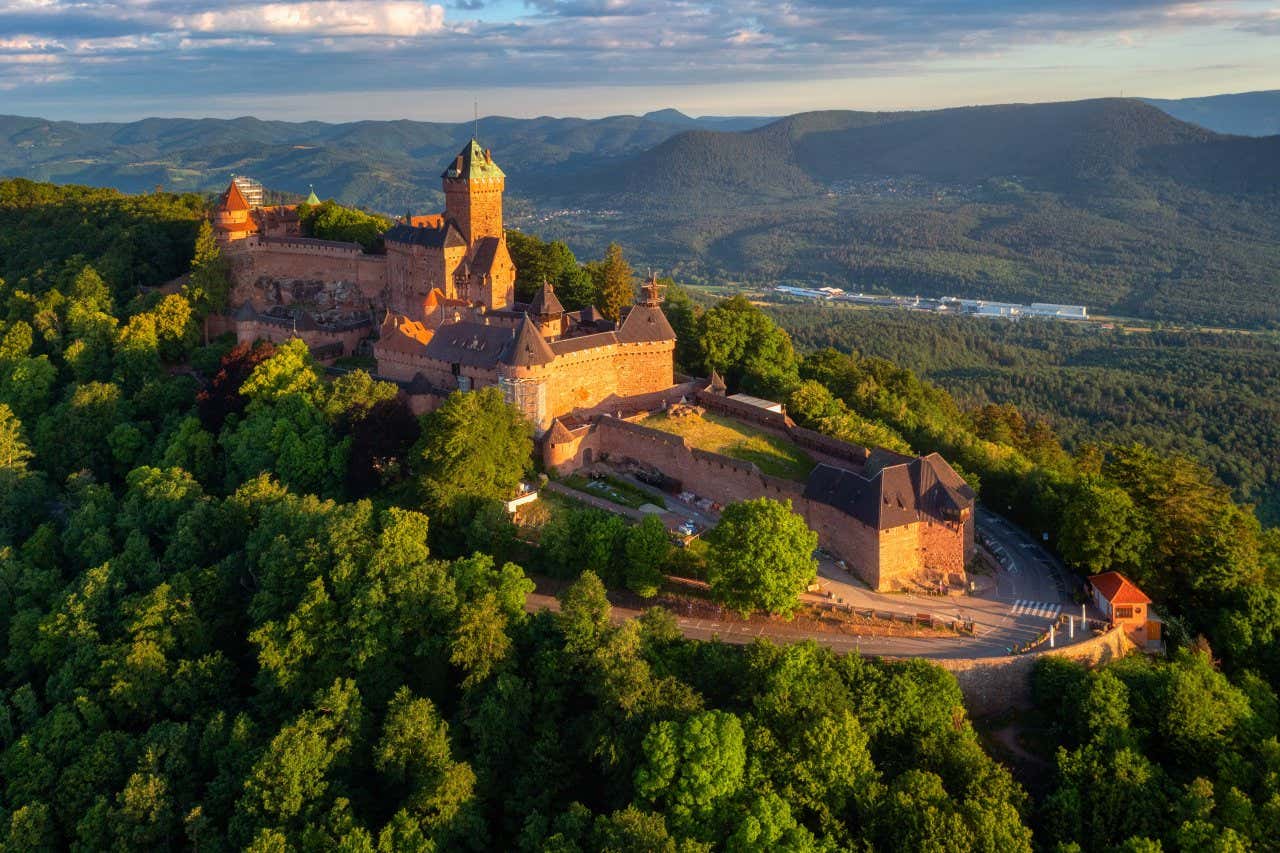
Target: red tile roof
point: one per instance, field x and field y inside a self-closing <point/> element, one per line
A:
<point x="234" y="199"/>
<point x="1118" y="589"/>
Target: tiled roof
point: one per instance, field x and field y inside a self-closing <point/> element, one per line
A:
<point x="564" y="346"/>
<point x="846" y="491"/>
<point x="897" y="490"/>
<point x="545" y="303"/>
<point x="484" y="252"/>
<point x="1118" y="589"/>
<point x="470" y="343"/>
<point x="431" y="237"/>
<point x="558" y="434"/>
<point x="473" y="162"/>
<point x="645" y="324"/>
<point x="529" y="349"/>
<point x="233" y="198"/>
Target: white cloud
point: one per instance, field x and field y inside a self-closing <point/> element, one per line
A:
<point x="325" y="17"/>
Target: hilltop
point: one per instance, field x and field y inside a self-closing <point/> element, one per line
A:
<point x="1068" y="147"/>
<point x="1111" y="203"/>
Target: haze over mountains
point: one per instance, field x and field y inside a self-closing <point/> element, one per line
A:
<point x="1246" y="113"/>
<point x="1112" y="203"/>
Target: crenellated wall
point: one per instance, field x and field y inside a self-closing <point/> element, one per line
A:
<point x="283" y="259"/>
<point x="885" y="559"/>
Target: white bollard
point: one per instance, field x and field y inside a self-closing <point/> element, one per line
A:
<point x="1071" y="627"/>
<point x="1051" y="627"/>
<point x="1083" y="619"/>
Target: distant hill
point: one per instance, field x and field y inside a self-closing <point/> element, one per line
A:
<point x="1062" y="146"/>
<point x="384" y="164"/>
<point x="1112" y="203"/>
<point x="1244" y="114"/>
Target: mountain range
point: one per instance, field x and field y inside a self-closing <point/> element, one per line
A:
<point x="1244" y="114"/>
<point x="1113" y="203"/>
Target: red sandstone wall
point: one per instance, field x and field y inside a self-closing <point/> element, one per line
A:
<point x="885" y="560"/>
<point x="943" y="547"/>
<point x="900" y="556"/>
<point x="850" y="540"/>
<point x="580" y="380"/>
<point x="255" y="330"/>
<point x="644" y="368"/>
<point x="251" y="260"/>
<point x="476" y="206"/>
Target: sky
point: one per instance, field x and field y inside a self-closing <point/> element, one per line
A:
<point x="339" y="60"/>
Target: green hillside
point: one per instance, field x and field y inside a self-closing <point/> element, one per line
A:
<point x="1111" y="203"/>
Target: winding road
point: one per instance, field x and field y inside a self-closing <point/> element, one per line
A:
<point x="1028" y="592"/>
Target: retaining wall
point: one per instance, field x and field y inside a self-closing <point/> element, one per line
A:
<point x="993" y="685"/>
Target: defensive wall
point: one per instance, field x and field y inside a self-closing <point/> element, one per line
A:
<point x="994" y="685"/>
<point x="303" y="259"/>
<point x="822" y="448"/>
<point x="884" y="559"/>
<point x="326" y="342"/>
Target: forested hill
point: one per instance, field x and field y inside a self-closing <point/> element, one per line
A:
<point x="1109" y="203"/>
<point x="382" y="164"/>
<point x="1245" y="113"/>
<point x="1061" y="146"/>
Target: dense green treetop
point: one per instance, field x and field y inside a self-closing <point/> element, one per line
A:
<point x="761" y="556"/>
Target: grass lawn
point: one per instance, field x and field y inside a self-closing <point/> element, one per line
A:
<point x="612" y="489"/>
<point x="719" y="434"/>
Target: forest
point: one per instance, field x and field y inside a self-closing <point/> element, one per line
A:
<point x="245" y="604"/>
<point x="1205" y="394"/>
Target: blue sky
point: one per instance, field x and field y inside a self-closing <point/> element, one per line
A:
<point x="350" y="59"/>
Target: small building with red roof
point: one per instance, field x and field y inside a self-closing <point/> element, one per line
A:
<point x="1124" y="605"/>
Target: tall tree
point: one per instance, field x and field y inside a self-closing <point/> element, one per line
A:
<point x="761" y="557"/>
<point x="209" y="282"/>
<point x="475" y="446"/>
<point x="615" y="283"/>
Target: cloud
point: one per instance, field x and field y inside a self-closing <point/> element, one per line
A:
<point x="203" y="47"/>
<point x="326" y="18"/>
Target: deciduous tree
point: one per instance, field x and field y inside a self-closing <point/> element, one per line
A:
<point x="761" y="557"/>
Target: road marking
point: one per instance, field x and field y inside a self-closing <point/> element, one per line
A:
<point x="1036" y="608"/>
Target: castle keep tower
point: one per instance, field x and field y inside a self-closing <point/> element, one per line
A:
<point x="473" y="186"/>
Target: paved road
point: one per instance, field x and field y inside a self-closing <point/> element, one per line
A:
<point x="1029" y="591"/>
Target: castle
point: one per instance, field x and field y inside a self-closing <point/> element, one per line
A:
<point x="436" y="307"/>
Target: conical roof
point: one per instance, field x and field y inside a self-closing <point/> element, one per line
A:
<point x="233" y="198"/>
<point x="645" y="323"/>
<point x="473" y="162"/>
<point x="528" y="348"/>
<point x="312" y="198"/>
<point x="545" y="303"/>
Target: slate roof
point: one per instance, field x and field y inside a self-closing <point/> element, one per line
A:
<point x="484" y="252"/>
<point x="430" y="237"/>
<point x="846" y="491"/>
<point x="645" y="324"/>
<point x="473" y="162"/>
<point x="1118" y="589"/>
<point x="545" y="303"/>
<point x="245" y="312"/>
<point x="565" y="346"/>
<point x="897" y="490"/>
<point x="469" y="343"/>
<point x="529" y="348"/>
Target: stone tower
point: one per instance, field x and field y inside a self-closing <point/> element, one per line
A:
<point x="473" y="186"/>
